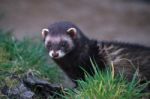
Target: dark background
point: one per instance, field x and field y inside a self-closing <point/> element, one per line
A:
<point x="122" y="20"/>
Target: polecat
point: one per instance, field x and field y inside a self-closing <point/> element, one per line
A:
<point x="72" y="50"/>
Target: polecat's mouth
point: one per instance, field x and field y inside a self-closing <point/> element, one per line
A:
<point x="56" y="54"/>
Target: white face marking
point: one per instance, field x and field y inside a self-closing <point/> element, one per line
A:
<point x="50" y="53"/>
<point x="60" y="54"/>
<point x="57" y="39"/>
<point x="51" y="39"/>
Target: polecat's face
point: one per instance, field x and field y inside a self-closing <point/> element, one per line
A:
<point x="59" y="45"/>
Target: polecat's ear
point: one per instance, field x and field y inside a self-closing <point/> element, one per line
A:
<point x="72" y="32"/>
<point x="44" y="32"/>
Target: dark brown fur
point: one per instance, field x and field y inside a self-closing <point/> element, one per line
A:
<point x="126" y="58"/>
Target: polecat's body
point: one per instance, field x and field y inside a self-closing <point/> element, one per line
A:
<point x="72" y="50"/>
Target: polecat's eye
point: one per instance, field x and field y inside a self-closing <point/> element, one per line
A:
<point x="49" y="44"/>
<point x="64" y="44"/>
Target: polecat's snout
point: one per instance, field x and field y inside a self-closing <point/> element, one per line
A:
<point x="56" y="54"/>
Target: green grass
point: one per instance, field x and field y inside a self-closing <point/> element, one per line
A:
<point x="103" y="85"/>
<point x="19" y="57"/>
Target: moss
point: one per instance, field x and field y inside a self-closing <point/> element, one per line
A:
<point x="4" y="56"/>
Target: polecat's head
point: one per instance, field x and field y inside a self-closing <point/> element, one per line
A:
<point x="60" y="38"/>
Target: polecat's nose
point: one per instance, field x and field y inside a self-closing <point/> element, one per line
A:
<point x="55" y="54"/>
